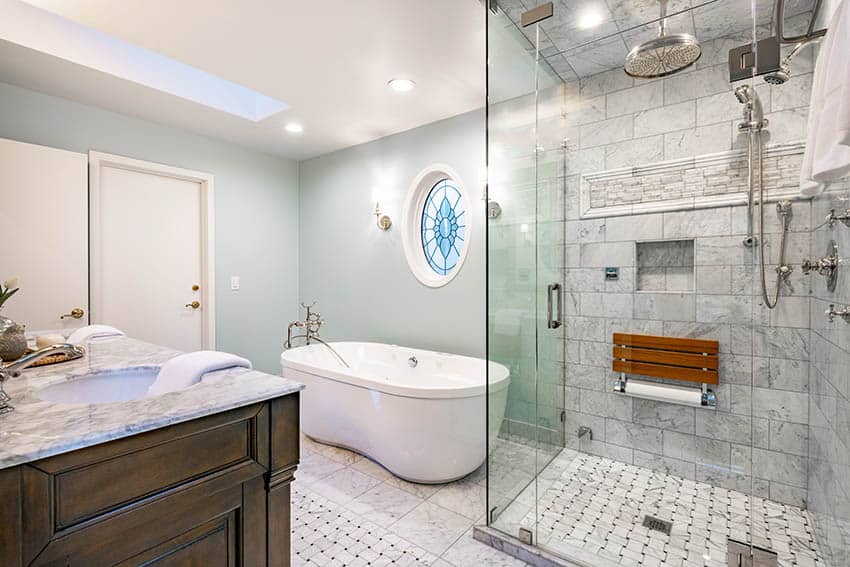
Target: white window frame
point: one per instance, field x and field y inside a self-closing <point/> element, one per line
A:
<point x="419" y="190"/>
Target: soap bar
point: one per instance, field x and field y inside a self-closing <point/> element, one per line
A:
<point x="42" y="341"/>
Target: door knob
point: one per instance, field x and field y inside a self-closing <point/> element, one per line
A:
<point x="194" y="304"/>
<point x="76" y="313"/>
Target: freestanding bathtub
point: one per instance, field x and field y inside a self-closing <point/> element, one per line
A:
<point x="419" y="413"/>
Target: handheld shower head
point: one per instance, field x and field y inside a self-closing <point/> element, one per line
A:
<point x="753" y="113"/>
<point x="744" y="94"/>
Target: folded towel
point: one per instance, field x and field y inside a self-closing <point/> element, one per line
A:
<point x="93" y="332"/>
<point x="827" y="155"/>
<point x="185" y="370"/>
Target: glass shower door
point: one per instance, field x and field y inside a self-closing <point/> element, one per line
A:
<point x="525" y="259"/>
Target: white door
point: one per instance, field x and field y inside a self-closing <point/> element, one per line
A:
<point x="151" y="251"/>
<point x="44" y="234"/>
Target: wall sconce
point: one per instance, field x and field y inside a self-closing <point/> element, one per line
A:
<point x="383" y="221"/>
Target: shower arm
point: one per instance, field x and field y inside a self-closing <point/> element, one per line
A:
<point x="779" y="24"/>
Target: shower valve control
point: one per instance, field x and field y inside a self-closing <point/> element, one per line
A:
<point x="832" y="313"/>
<point x="834" y="217"/>
<point x="826" y="266"/>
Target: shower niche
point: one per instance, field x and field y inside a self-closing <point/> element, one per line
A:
<point x="665" y="265"/>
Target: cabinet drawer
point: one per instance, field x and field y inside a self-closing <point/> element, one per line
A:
<point x="100" y="487"/>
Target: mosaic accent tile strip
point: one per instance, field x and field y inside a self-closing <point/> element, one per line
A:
<point x="704" y="181"/>
<point x="597" y="505"/>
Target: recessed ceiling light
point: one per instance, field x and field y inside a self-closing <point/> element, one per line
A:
<point x="294" y="127"/>
<point x="590" y="18"/>
<point x="401" y="85"/>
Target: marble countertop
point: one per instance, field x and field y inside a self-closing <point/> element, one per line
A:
<point x="38" y="429"/>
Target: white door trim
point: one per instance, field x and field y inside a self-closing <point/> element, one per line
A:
<point x="97" y="160"/>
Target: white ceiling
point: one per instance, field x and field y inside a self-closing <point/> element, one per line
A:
<point x="328" y="60"/>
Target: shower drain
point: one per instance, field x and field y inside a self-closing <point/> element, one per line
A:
<point x="657" y="524"/>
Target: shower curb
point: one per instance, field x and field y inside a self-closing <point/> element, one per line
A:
<point x="534" y="555"/>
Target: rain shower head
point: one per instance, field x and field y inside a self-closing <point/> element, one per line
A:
<point x="663" y="55"/>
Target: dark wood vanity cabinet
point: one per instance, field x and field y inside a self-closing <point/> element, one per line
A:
<point x="213" y="491"/>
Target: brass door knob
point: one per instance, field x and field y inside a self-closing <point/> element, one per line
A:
<point x="76" y="313"/>
<point x="194" y="304"/>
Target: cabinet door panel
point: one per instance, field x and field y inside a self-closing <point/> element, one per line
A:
<point x="210" y="545"/>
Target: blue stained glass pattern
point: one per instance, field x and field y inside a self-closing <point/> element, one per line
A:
<point x="444" y="226"/>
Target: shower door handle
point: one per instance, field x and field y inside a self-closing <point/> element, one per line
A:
<point x="553" y="292"/>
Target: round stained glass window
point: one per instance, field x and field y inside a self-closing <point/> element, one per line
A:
<point x="443" y="227"/>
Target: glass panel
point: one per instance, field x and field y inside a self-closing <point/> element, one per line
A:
<point x="524" y="169"/>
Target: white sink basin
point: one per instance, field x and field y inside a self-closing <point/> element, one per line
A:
<point x="103" y="387"/>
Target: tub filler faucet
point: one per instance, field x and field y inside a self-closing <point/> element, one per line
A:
<point x="311" y="325"/>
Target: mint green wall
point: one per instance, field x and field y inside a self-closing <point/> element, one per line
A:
<point x="358" y="274"/>
<point x="256" y="202"/>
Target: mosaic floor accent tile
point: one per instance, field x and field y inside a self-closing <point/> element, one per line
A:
<point x="598" y="505"/>
<point x="350" y="511"/>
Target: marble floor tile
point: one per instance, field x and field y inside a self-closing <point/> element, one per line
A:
<point x="345" y="485"/>
<point x="314" y="466"/>
<point x="465" y="497"/>
<point x="432" y="527"/>
<point x="384" y="504"/>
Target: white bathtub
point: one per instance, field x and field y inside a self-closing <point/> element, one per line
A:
<point x="424" y="423"/>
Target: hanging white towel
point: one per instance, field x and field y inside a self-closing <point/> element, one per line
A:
<point x="827" y="155"/>
<point x="90" y="332"/>
<point x="185" y="370"/>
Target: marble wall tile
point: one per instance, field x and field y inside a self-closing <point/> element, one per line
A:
<point x="665" y="119"/>
<point x="607" y="131"/>
<point x="735" y="309"/>
<point x="679" y="446"/>
<point x="634" y="227"/>
<point x="584" y="231"/>
<point x="724" y="426"/>
<point x="604" y="83"/>
<point x="781" y="467"/>
<point x="606" y="304"/>
<point x="634" y="436"/>
<point x="697" y="84"/>
<point x="714" y="279"/>
<point x="670" y="417"/>
<point x="782" y="374"/>
<point x="664" y="306"/>
<point x="606" y="404"/>
<point x="698" y="222"/>
<point x="718" y="108"/>
<point x="642" y="97"/>
<point x="630" y="152"/>
<point x="697" y="141"/>
<point x="780" y="405"/>
<point x="790" y="438"/>
<point x="601" y="254"/>
<point x="684" y="469"/>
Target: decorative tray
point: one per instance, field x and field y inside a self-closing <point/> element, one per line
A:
<point x="52" y="359"/>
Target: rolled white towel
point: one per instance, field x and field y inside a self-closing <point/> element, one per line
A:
<point x="90" y="332"/>
<point x="185" y="370"/>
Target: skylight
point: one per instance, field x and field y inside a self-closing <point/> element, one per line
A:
<point x="46" y="32"/>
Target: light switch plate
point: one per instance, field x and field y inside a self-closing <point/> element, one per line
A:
<point x="234" y="283"/>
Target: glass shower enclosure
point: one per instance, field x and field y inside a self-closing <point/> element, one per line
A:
<point x="641" y="208"/>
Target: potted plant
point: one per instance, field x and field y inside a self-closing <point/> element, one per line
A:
<point x="13" y="342"/>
